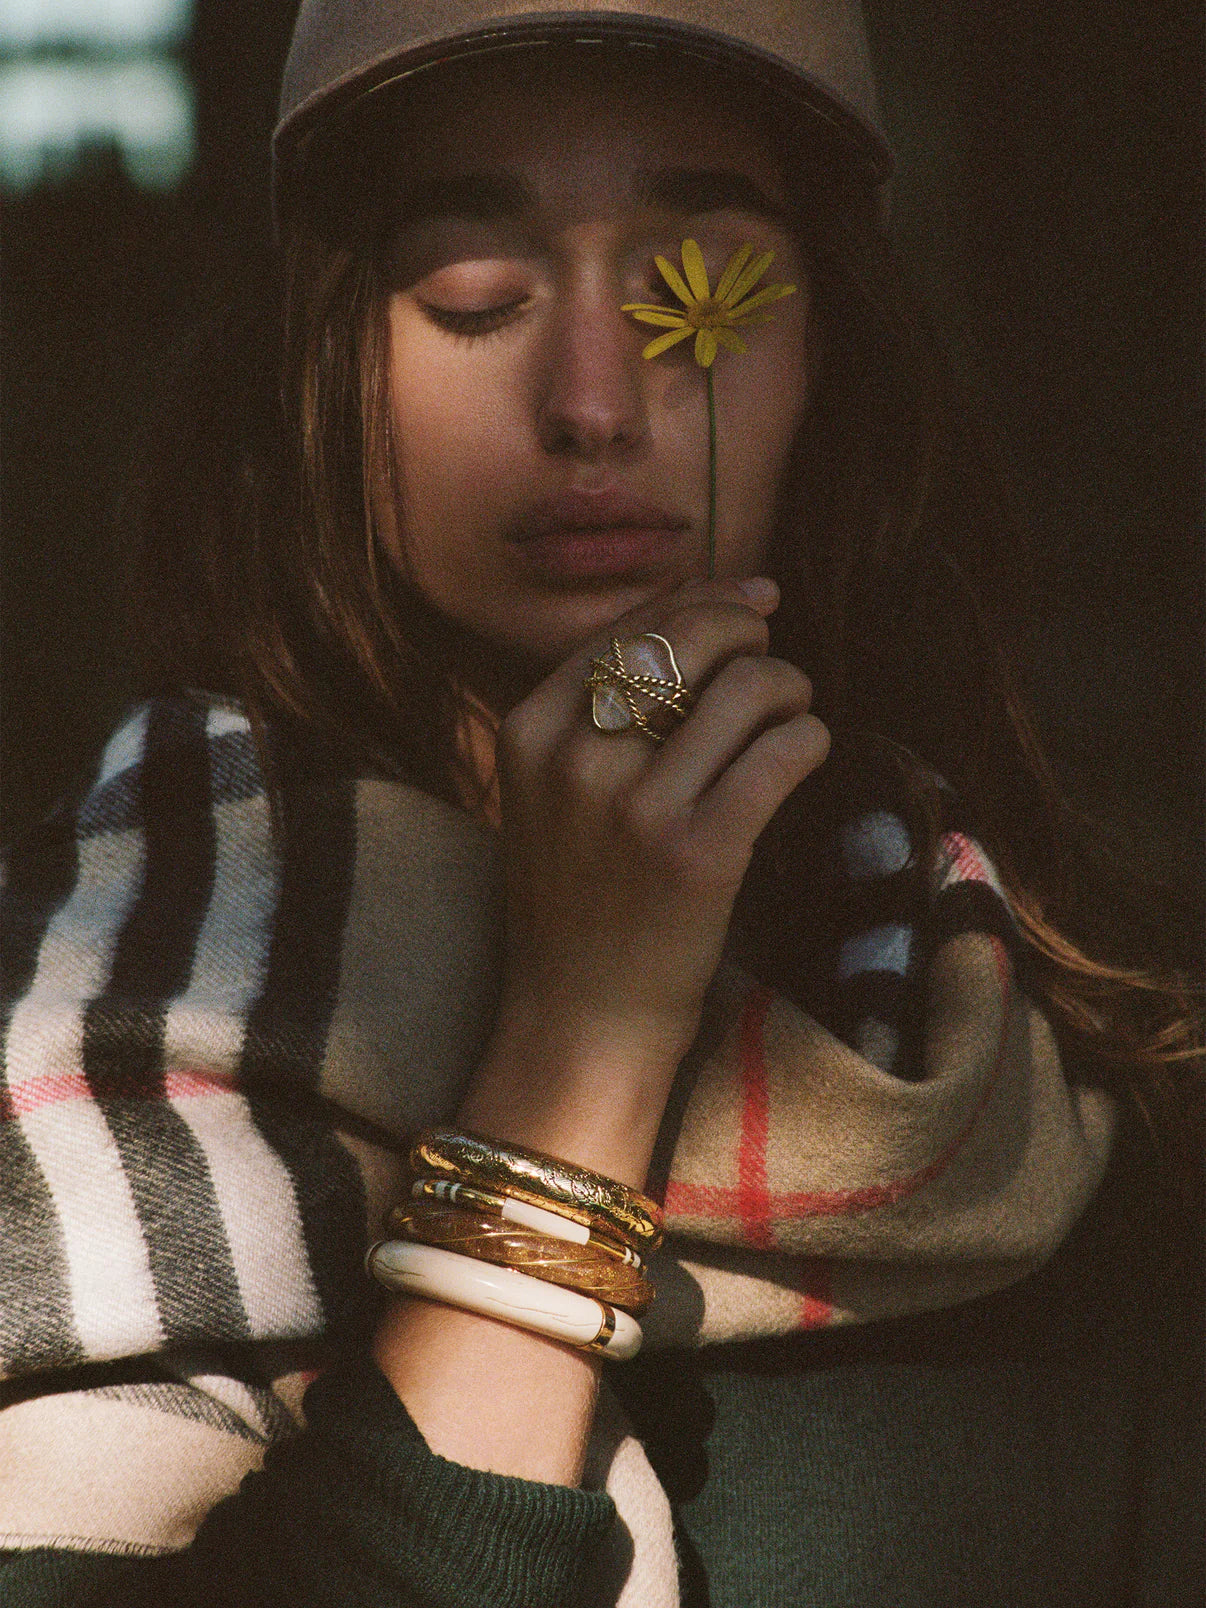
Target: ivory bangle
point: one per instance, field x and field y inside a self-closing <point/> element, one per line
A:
<point x="499" y="1292"/>
<point x="487" y="1238"/>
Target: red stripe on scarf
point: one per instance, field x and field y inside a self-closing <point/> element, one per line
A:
<point x="965" y="858"/>
<point x="816" y="1303"/>
<point x="189" y="1085"/>
<point x="753" y="1199"/>
<point x="711" y="1200"/>
<point x="51" y="1088"/>
<point x="57" y="1088"/>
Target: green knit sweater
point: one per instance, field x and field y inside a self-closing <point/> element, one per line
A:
<point x="1040" y="1448"/>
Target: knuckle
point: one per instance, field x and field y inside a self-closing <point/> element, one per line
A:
<point x="666" y="844"/>
<point x="636" y="817"/>
<point x="761" y="679"/>
<point x="795" y="749"/>
<point x="820" y="737"/>
<point x="572" y="770"/>
<point x="721" y="587"/>
<point x="782" y="755"/>
<point x="756" y="631"/>
<point x="795" y="685"/>
<point x="512" y="743"/>
<point x="744" y="675"/>
<point x="660" y="837"/>
<point x="703" y="620"/>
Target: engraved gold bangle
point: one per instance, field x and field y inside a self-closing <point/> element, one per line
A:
<point x="490" y="1239"/>
<point x="575" y="1192"/>
<point x="522" y="1212"/>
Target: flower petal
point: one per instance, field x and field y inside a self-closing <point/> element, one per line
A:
<point x="658" y="315"/>
<point x="696" y="272"/>
<point x="736" y="263"/>
<point x="675" y="280"/>
<point x="749" y="277"/>
<point x="705" y="348"/>
<point x="759" y="299"/>
<point x="728" y="339"/>
<point x="664" y="342"/>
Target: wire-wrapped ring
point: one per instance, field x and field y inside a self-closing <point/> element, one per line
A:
<point x="637" y="682"/>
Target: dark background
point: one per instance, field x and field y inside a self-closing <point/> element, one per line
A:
<point x="1049" y="204"/>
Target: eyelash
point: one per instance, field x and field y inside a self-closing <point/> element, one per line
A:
<point x="469" y="325"/>
<point x="466" y="325"/>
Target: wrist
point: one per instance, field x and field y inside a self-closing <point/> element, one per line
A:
<point x="591" y="1106"/>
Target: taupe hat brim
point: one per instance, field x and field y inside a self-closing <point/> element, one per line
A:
<point x="810" y="53"/>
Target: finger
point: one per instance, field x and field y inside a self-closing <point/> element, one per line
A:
<point x="746" y="697"/>
<point x="671" y="609"/>
<point x="590" y="763"/>
<point x="705" y="628"/>
<point x="736" y="810"/>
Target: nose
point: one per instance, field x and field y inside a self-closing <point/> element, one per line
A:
<point x="591" y="400"/>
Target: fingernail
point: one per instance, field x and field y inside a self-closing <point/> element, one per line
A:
<point x="760" y="589"/>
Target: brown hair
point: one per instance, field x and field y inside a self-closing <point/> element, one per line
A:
<point x="896" y="552"/>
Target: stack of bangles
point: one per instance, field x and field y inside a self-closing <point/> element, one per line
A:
<point x="524" y="1237"/>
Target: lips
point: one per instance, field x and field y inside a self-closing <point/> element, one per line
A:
<point x="598" y="536"/>
<point x="585" y="511"/>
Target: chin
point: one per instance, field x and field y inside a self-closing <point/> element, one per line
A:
<point x="505" y="659"/>
<point x="553" y="634"/>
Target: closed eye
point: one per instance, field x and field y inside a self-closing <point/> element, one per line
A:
<point x="465" y="322"/>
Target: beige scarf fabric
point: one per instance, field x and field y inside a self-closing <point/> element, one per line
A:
<point x="327" y="999"/>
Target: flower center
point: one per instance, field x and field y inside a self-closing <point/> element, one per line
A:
<point x="706" y="314"/>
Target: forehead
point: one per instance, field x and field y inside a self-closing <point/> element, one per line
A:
<point x="583" y="128"/>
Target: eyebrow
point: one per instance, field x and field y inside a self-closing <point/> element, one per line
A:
<point x="493" y="196"/>
<point x="696" y="190"/>
<point x="476" y="195"/>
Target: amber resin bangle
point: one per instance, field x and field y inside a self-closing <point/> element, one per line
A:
<point x="544" y="1221"/>
<point x="602" y="1203"/>
<point x="583" y="1268"/>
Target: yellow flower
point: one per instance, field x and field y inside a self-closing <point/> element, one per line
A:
<point x="712" y="319"/>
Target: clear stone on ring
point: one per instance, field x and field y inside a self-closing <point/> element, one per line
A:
<point x="647" y="655"/>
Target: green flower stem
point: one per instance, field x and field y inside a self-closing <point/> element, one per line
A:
<point x="711" y="477"/>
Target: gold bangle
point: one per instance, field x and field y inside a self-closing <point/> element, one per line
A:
<point x="607" y="1332"/>
<point x="453" y="1193"/>
<point x="489" y="1239"/>
<point x="577" y="1193"/>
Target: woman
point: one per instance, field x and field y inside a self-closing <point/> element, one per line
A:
<point x="774" y="985"/>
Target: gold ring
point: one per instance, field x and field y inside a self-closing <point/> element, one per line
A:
<point x="638" y="683"/>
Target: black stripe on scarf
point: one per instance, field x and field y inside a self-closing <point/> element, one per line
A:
<point x="971" y="907"/>
<point x="288" y="1025"/>
<point x="40" y="873"/>
<point x="234" y="768"/>
<point x="124" y="1028"/>
<point x="885" y="995"/>
<point x="35" y="1329"/>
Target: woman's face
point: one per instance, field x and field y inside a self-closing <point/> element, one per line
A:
<point x="549" y="477"/>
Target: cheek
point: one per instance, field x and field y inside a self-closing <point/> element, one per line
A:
<point x="763" y="416"/>
<point x="450" y="425"/>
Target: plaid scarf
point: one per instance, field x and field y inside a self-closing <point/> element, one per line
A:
<point x="222" y="1028"/>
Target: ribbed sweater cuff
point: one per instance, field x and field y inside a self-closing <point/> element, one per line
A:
<point x="446" y="1535"/>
